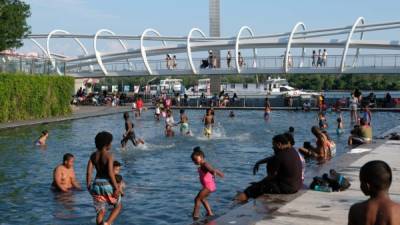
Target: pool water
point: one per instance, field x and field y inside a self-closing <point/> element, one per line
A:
<point x="161" y="179"/>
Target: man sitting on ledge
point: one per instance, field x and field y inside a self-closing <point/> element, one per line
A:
<point x="284" y="172"/>
<point x="361" y="134"/>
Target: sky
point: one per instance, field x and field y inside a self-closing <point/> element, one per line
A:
<point x="177" y="17"/>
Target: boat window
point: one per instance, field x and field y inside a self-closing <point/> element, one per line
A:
<point x="233" y="86"/>
<point x="257" y="85"/>
<point x="244" y="86"/>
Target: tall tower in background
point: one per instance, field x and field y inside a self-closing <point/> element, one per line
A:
<point x="214" y="11"/>
<point x="215" y="31"/>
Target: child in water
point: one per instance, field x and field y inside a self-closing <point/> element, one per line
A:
<point x="322" y="121"/>
<point x="231" y="114"/>
<point x="207" y="179"/>
<point x="169" y="123"/>
<point x="208" y="120"/>
<point x="267" y="111"/>
<point x="118" y="177"/>
<point x="375" y="178"/>
<point x="129" y="133"/>
<point x="184" y="123"/>
<point x="157" y="112"/>
<point x="43" y="138"/>
<point x="340" y="126"/>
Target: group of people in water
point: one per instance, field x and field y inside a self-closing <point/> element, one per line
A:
<point x="285" y="168"/>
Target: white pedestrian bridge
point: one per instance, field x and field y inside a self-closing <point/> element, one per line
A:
<point x="137" y="62"/>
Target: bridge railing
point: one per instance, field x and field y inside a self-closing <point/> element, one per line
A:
<point x="44" y="66"/>
<point x="259" y="62"/>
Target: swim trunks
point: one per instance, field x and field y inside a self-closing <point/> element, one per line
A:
<point x="207" y="131"/>
<point x="184" y="128"/>
<point x="102" y="193"/>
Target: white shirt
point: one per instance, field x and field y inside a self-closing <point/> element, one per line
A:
<point x="170" y="121"/>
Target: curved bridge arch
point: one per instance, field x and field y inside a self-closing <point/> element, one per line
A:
<point x="48" y="47"/>
<point x="39" y="46"/>
<point x="143" y="50"/>
<point x="98" y="54"/>
<point x="189" y="50"/>
<point x="289" y="45"/>
<point x="238" y="69"/>
<point x="346" y="48"/>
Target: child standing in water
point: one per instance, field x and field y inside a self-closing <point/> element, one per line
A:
<point x="267" y="110"/>
<point x="169" y="123"/>
<point x="340" y="126"/>
<point x="376" y="178"/>
<point x="43" y="138"/>
<point x="184" y="122"/>
<point x="157" y="112"/>
<point x="104" y="189"/>
<point x="322" y="121"/>
<point x="129" y="133"/>
<point x="206" y="174"/>
<point x="208" y="120"/>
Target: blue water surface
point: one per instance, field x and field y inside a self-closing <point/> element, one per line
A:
<point x="161" y="179"/>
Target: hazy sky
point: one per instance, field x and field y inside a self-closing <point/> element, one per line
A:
<point x="176" y="17"/>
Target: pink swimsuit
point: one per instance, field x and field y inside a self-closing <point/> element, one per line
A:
<point x="207" y="180"/>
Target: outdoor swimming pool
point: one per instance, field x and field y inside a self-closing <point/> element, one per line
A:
<point x="161" y="179"/>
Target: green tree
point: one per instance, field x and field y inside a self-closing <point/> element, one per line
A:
<point x="13" y="25"/>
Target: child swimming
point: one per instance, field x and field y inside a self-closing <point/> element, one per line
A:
<point x="208" y="120"/>
<point x="184" y="123"/>
<point x="43" y="138"/>
<point x="129" y="133"/>
<point x="207" y="179"/>
<point x="376" y="178"/>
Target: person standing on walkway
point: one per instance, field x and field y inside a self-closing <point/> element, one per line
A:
<point x="324" y="57"/>
<point x="241" y="60"/>
<point x="174" y="64"/>
<point x="228" y="59"/>
<point x="210" y="59"/>
<point x="314" y="58"/>
<point x="319" y="61"/>
<point x="168" y="61"/>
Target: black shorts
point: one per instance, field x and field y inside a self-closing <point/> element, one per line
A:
<point x="267" y="187"/>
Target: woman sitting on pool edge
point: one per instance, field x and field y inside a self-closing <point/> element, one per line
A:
<point x="324" y="148"/>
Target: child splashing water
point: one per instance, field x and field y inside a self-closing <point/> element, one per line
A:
<point x="208" y="120"/>
<point x="207" y="175"/>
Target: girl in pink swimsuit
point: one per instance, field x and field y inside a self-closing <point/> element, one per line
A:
<point x="206" y="175"/>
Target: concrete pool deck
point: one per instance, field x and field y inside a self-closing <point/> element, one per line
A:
<point x="311" y="207"/>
